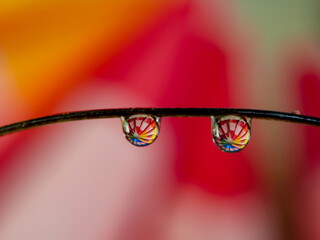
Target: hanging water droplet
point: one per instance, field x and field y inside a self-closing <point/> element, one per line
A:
<point x="231" y="133"/>
<point x="140" y="129"/>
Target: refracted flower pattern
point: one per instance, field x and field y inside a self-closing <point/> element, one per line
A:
<point x="231" y="133"/>
<point x="141" y="130"/>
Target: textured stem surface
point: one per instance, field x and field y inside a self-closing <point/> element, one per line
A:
<point x="160" y="112"/>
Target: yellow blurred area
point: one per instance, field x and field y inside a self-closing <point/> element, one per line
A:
<point x="49" y="46"/>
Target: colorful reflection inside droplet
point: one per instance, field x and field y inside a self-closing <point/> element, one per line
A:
<point x="231" y="133"/>
<point x="141" y="130"/>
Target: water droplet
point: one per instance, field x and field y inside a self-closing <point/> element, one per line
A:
<point x="231" y="133"/>
<point x="297" y="112"/>
<point x="140" y="129"/>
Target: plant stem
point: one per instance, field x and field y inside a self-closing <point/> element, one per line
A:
<point x="160" y="112"/>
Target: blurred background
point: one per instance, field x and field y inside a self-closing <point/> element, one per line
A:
<point x="83" y="180"/>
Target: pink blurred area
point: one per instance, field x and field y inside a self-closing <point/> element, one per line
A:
<point x="83" y="180"/>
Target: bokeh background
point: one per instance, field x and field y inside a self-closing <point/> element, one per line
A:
<point x="83" y="180"/>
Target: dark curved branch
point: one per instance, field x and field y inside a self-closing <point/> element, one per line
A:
<point x="161" y="112"/>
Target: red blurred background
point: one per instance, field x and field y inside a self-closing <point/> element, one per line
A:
<point x="82" y="180"/>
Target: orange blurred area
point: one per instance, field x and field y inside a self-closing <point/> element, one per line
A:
<point x="51" y="46"/>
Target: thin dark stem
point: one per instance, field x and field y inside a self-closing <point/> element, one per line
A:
<point x="160" y="112"/>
